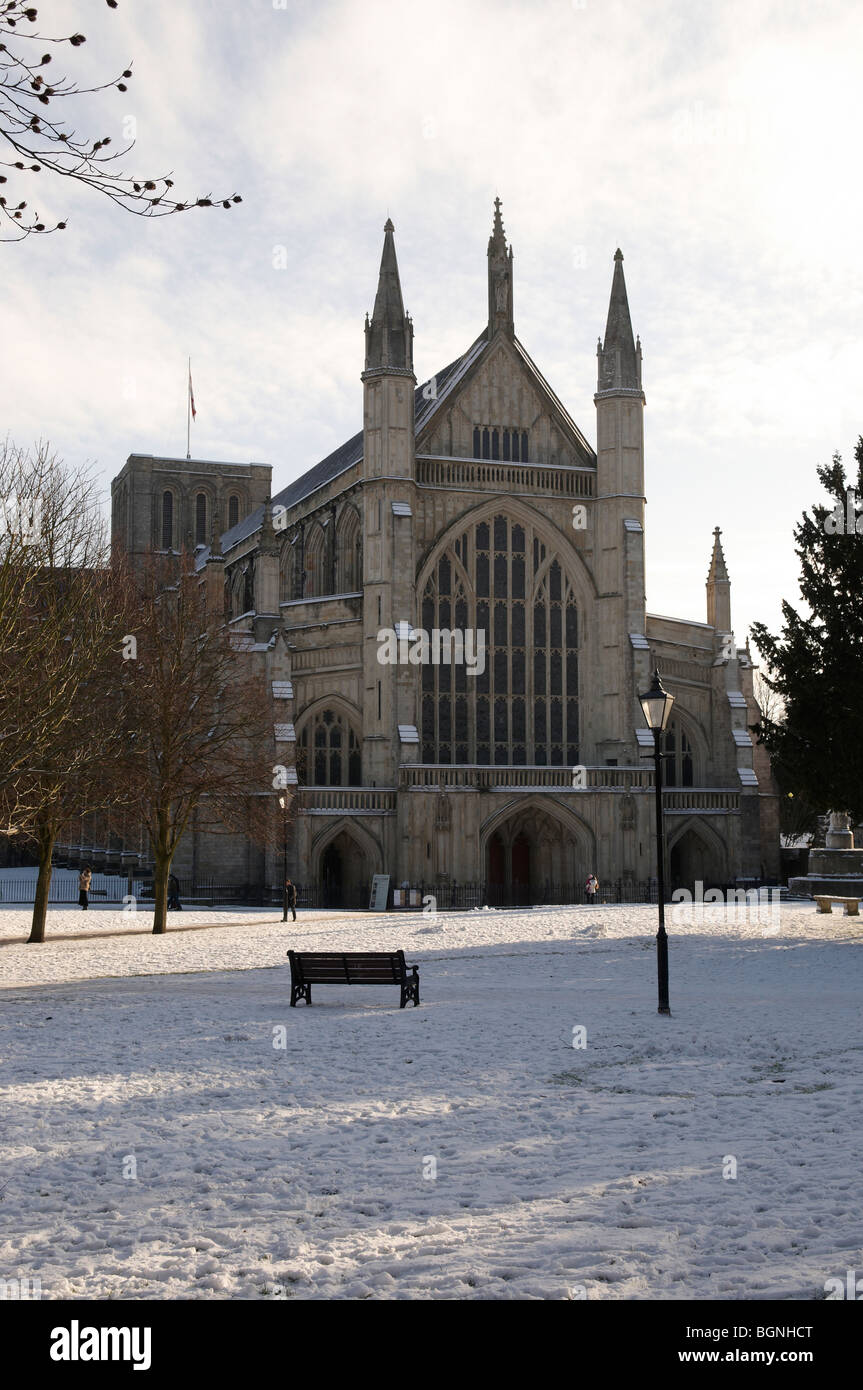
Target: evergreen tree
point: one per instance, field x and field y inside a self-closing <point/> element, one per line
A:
<point x="816" y="664"/>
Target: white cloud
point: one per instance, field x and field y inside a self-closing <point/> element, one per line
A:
<point x="716" y="144"/>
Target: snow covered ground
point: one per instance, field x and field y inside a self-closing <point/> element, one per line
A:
<point x="155" y="1143"/>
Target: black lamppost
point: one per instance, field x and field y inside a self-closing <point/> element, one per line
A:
<point x="656" y="704"/>
<point x="283" y="802"/>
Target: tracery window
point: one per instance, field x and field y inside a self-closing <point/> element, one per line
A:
<point x="522" y="709"/>
<point x="679" y="763"/>
<point x="494" y="442"/>
<point x="329" y="752"/>
<point x="233" y="510"/>
<point x="314" y="562"/>
<point x="349" y="552"/>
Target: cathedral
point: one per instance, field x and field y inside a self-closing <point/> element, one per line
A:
<point x="449" y="612"/>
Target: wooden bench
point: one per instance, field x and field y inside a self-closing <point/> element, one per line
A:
<point x="352" y="968"/>
<point x="852" y="905"/>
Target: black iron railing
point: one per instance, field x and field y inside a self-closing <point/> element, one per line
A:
<point x="441" y="897"/>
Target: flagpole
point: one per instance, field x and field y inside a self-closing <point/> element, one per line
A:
<point x="189" y="412"/>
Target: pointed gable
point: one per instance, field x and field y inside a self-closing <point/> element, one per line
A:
<point x="497" y="387"/>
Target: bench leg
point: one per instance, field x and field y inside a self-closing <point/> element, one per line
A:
<point x="826" y="907"/>
<point x="300" y="992"/>
<point x="411" y="991"/>
<point x="852" y="909"/>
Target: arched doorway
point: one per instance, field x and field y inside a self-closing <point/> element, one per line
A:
<point x="345" y="862"/>
<point x="331" y="877"/>
<point x="535" y="856"/>
<point x="693" y="859"/>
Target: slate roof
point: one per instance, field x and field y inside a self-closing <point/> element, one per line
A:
<point x="343" y="458"/>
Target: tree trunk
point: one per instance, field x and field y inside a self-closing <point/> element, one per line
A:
<point x="45" y="841"/>
<point x="161" y="868"/>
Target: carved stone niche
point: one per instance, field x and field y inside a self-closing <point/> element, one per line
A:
<point x="443" y="812"/>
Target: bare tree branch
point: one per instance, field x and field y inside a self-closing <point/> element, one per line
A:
<point x="45" y="142"/>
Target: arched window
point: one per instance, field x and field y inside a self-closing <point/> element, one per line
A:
<point x="287" y="580"/>
<point x="201" y="519"/>
<point x="235" y="591"/>
<point x="233" y="510"/>
<point x="349" y="552"/>
<point x="521" y="708"/>
<point x="314" y="562"/>
<point x="167" y="520"/>
<point x="329" y="752"/>
<point x="248" y="571"/>
<point x="679" y="763"/>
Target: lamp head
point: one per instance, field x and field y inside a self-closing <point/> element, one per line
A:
<point x="656" y="704"/>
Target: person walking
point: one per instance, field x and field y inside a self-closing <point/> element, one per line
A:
<point x="85" y="878"/>
<point x="291" y="897"/>
<point x="174" y="893"/>
<point x="592" y="886"/>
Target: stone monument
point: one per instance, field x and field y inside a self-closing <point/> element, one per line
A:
<point x="838" y="868"/>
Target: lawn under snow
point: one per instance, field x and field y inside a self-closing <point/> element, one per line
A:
<point x="301" y="1171"/>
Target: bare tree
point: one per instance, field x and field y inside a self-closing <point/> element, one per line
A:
<point x="201" y="722"/>
<point x="53" y="553"/>
<point x="769" y="701"/>
<point x="82" y="771"/>
<point x="41" y="140"/>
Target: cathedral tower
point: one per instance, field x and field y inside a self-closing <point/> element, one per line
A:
<point x="389" y="474"/>
<point x="619" y="518"/>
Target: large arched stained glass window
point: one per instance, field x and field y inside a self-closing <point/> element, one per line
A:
<point x="329" y="752"/>
<point x="522" y="709"/>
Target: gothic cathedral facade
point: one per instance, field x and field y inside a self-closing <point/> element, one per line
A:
<point x="449" y="612"/>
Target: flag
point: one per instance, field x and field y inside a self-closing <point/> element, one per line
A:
<point x="192" y="397"/>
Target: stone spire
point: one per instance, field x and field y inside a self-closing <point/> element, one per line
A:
<point x="619" y="365"/>
<point x="718" y="588"/>
<point x="499" y="279"/>
<point x="389" y="335"/>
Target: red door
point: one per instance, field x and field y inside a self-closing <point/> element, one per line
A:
<point x="521" y="869"/>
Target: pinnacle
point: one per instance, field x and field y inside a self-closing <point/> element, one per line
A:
<point x="618" y="366"/>
<point x="388" y="333"/>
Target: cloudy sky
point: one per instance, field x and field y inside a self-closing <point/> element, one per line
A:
<point x="716" y="143"/>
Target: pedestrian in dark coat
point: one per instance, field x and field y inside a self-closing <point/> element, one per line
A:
<point x="291" y="897"/>
<point x="174" y="894"/>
